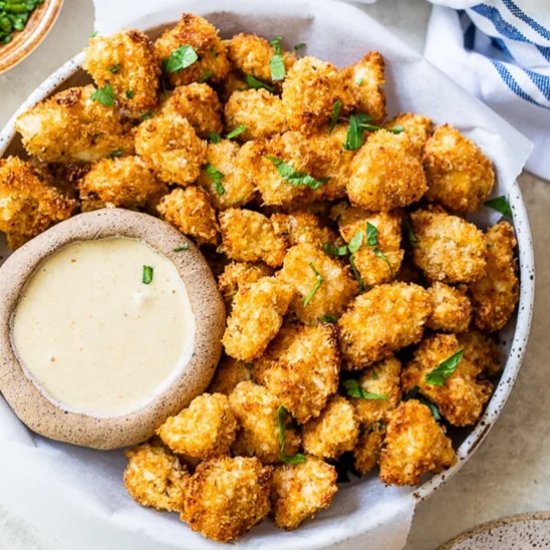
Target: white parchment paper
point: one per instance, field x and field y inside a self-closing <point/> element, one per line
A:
<point x="75" y="496"/>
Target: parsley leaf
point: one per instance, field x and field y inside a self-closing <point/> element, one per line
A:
<point x="354" y="389"/>
<point x="414" y="393"/>
<point x="241" y="129"/>
<point x="180" y="59"/>
<point x="336" y="109"/>
<point x="409" y="233"/>
<point x="328" y="319"/>
<point x="206" y="76"/>
<point x="334" y="250"/>
<point x="277" y="62"/>
<point x="372" y="241"/>
<point x="129" y="94"/>
<point x="214" y="137"/>
<point x="256" y="84"/>
<point x="217" y="177"/>
<point x="181" y="248"/>
<point x="299" y="46"/>
<point x="356" y="273"/>
<point x="146" y="115"/>
<point x="105" y="95"/>
<point x="360" y="123"/>
<point x="295" y="177"/>
<point x="500" y="204"/>
<point x="319" y="281"/>
<point x="116" y="153"/>
<point x="114" y="68"/>
<point x="439" y="375"/>
<point x="147" y="275"/>
<point x="298" y="458"/>
<point x="356" y="242"/>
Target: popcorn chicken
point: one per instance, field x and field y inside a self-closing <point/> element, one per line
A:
<point x="386" y="173"/>
<point x="323" y="287"/>
<point x="233" y="82"/>
<point x="461" y="397"/>
<point x="417" y="127"/>
<point x="449" y="249"/>
<point x="481" y="350"/>
<point x="496" y="294"/>
<point x="72" y="127"/>
<point x="229" y="374"/>
<point x="212" y="63"/>
<point x="154" y="477"/>
<point x="415" y="445"/>
<point x="190" y="211"/>
<point x="256" y="411"/>
<point x="301" y="368"/>
<point x="302" y="227"/>
<point x="367" y="452"/>
<point x="459" y="175"/>
<point x="248" y="236"/>
<point x="126" y="61"/>
<point x="299" y="491"/>
<point x="452" y="310"/>
<point x="29" y="203"/>
<point x="226" y="497"/>
<point x="170" y="147"/>
<point x="239" y="274"/>
<point x="256" y="317"/>
<point x="381" y="321"/>
<point x="332" y="433"/>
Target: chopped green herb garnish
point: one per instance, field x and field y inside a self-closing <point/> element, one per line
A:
<point x="206" y="76"/>
<point x="114" y="68"/>
<point x="299" y="46"/>
<point x="146" y="115"/>
<point x="104" y="95"/>
<point x="414" y="393"/>
<point x="214" y="137"/>
<point x="241" y="129"/>
<point x="180" y="59"/>
<point x="319" y="281"/>
<point x="129" y="94"/>
<point x="256" y="84"/>
<point x="217" y="177"/>
<point x="360" y="123"/>
<point x="336" y="109"/>
<point x="94" y="34"/>
<point x="412" y="239"/>
<point x="354" y="389"/>
<point x="439" y="375"/>
<point x="356" y="273"/>
<point x="147" y="275"/>
<point x="277" y="62"/>
<point x="328" y="319"/>
<point x="295" y="177"/>
<point x="372" y="241"/>
<point x="500" y="204"/>
<point x="116" y="153"/>
<point x="281" y="424"/>
<point x="356" y="242"/>
<point x="334" y="250"/>
<point x="182" y="247"/>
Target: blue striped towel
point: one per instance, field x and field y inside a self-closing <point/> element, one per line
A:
<point x="499" y="50"/>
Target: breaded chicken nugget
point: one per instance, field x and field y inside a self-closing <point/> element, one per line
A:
<point x="239" y="274"/>
<point x="334" y="432"/>
<point x="301" y="361"/>
<point x="199" y="104"/>
<point x="211" y="64"/>
<point x="229" y="374"/>
<point x="482" y="351"/>
<point x="496" y="294"/>
<point x="459" y="175"/>
<point x="386" y="173"/>
<point x="260" y="112"/>
<point x="29" y="203"/>
<point x="190" y="211"/>
<point x="381" y="380"/>
<point x="448" y="248"/>
<point x="72" y="127"/>
<point x="170" y="147"/>
<point x="366" y="79"/>
<point x="226" y="497"/>
<point x="310" y="90"/>
<point x="256" y="317"/>
<point x="233" y="82"/>
<point x="461" y="396"/>
<point x="256" y="411"/>
<point x="452" y="310"/>
<point x="323" y="286"/>
<point x="248" y="236"/>
<point x="204" y="429"/>
<point x="299" y="491"/>
<point x="302" y="227"/>
<point x="126" y="61"/>
<point x="381" y="321"/>
<point x="417" y="127"/>
<point x="123" y="182"/>
<point x="367" y="452"/>
<point x="415" y="445"/>
<point x="155" y="477"/>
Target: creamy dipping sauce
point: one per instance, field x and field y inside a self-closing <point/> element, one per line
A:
<point x="93" y="336"/>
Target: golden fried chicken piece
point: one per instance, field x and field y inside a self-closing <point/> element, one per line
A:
<point x="366" y="79"/>
<point x="367" y="452"/>
<point x="248" y="236"/>
<point x="452" y="310"/>
<point x="300" y="227"/>
<point x="496" y="294"/>
<point x="323" y="286"/>
<point x="415" y="445"/>
<point x="256" y="317"/>
<point x="261" y="112"/>
<point x="417" y="127"/>
<point x="122" y="182"/>
<point x="233" y="82"/>
<point x="199" y="104"/>
<point x="212" y="63"/>
<point x="170" y="147"/>
<point x="72" y="127"/>
<point x="155" y="477"/>
<point x="190" y="211"/>
<point x="204" y="429"/>
<point x="299" y="491"/>
<point x="126" y="61"/>
<point x="256" y="411"/>
<point x="380" y="380"/>
<point x="481" y="350"/>
<point x="459" y="174"/>
<point x="301" y="361"/>
<point x="230" y="373"/>
<point x="386" y="173"/>
<point x="29" y="203"/>
<point x="461" y="396"/>
<point x="238" y="274"/>
<point x="332" y="433"/>
<point x="226" y="497"/>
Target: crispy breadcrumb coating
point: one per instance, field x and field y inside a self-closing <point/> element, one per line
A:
<point x="204" y="429"/>
<point x="302" y="227"/>
<point x="298" y="492"/>
<point x="226" y="497"/>
<point x="496" y="294"/>
<point x="482" y="351"/>
<point x="459" y="175"/>
<point x="72" y="127"/>
<point x="229" y="374"/>
<point x="449" y="249"/>
<point x="238" y="274"/>
<point x="248" y="236"/>
<point x="170" y="147"/>
<point x="127" y="62"/>
<point x="417" y="127"/>
<point x="452" y="310"/>
<point x="415" y="445"/>
<point x="256" y="317"/>
<point x="386" y="173"/>
<point x="367" y="452"/>
<point x="381" y="321"/>
<point x="190" y="211"/>
<point x="256" y="411"/>
<point x="155" y="477"/>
